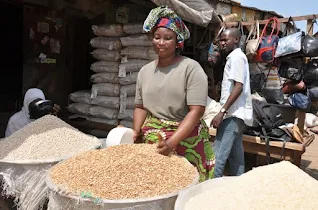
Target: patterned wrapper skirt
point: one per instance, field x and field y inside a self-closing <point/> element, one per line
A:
<point x="196" y="148"/>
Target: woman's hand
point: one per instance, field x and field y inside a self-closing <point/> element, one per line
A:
<point x="136" y="136"/>
<point x="163" y="148"/>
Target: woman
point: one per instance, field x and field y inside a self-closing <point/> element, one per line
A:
<point x="22" y="118"/>
<point x="171" y="96"/>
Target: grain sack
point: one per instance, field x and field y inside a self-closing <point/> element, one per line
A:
<point x="113" y="30"/>
<point x="137" y="40"/>
<point x="128" y="90"/>
<point x="105" y="77"/>
<point x="136" y="52"/>
<point x="79" y="108"/>
<point x="105" y="89"/>
<point x="105" y="66"/>
<point x="127" y="171"/>
<point x="277" y="186"/>
<point x="106" y="101"/>
<point x="82" y="96"/>
<point x="102" y="112"/>
<point x="131" y="78"/>
<point x="106" y="55"/>
<point x="108" y="43"/>
<point x="129" y="102"/>
<point x="94" y="119"/>
<point x="126" y="123"/>
<point x="133" y="65"/>
<point x="30" y="151"/>
<point x="127" y="114"/>
<point x="133" y="28"/>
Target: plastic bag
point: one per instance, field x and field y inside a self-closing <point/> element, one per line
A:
<point x="137" y="52"/>
<point x="311" y="74"/>
<point x="106" y="101"/>
<point x="105" y="66"/>
<point x="137" y="40"/>
<point x="105" y="78"/>
<point x="128" y="90"/>
<point x="106" y="55"/>
<point x="133" y="28"/>
<point x="113" y="30"/>
<point x="105" y="89"/>
<point x="108" y="43"/>
<point x="130" y="78"/>
<point x="133" y="65"/>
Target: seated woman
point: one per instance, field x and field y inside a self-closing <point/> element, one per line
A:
<point x="34" y="107"/>
<point x="171" y="96"/>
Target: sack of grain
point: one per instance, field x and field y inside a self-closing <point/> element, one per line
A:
<point x="105" y="77"/>
<point x="105" y="66"/>
<point x="102" y="112"/>
<point x="128" y="114"/>
<point x="82" y="96"/>
<point x="129" y="102"/>
<point x="113" y="30"/>
<point x="105" y="89"/>
<point x="94" y="119"/>
<point x="133" y="65"/>
<point x="106" y="101"/>
<point x="131" y="78"/>
<point x="146" y="53"/>
<point x="128" y="90"/>
<point x="109" y="43"/>
<point x="133" y="28"/>
<point x="106" y="55"/>
<point x="126" y="123"/>
<point x="137" y="40"/>
<point x="31" y="151"/>
<point x="132" y="179"/>
<point x="79" y="108"/>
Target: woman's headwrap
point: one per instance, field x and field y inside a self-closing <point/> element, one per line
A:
<point x="167" y="18"/>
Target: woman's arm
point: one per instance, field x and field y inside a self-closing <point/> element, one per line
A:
<point x="140" y="114"/>
<point x="185" y="128"/>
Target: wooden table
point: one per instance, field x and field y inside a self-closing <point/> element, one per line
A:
<point x="255" y="145"/>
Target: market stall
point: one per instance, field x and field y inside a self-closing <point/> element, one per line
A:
<point x="280" y="149"/>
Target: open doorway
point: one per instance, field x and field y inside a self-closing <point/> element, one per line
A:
<point x="11" y="60"/>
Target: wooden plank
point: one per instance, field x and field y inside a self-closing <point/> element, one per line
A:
<point x="310" y="27"/>
<point x="281" y="20"/>
<point x="301" y="120"/>
<point x="258" y="140"/>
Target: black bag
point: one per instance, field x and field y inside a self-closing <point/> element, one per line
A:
<point x="291" y="69"/>
<point x="272" y="95"/>
<point x="310" y="46"/>
<point x="311" y="74"/>
<point x="257" y="81"/>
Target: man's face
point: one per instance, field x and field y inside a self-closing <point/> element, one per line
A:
<point x="228" y="42"/>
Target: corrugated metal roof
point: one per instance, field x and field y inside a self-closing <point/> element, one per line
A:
<point x="247" y="7"/>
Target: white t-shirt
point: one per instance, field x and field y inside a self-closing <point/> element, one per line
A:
<point x="237" y="69"/>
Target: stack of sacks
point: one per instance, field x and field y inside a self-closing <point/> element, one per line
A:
<point x="101" y="104"/>
<point x="136" y="52"/>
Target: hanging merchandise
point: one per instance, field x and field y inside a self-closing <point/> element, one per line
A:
<point x="293" y="87"/>
<point x="272" y="90"/>
<point x="291" y="42"/>
<point x="300" y="100"/>
<point x="291" y="69"/>
<point x="311" y="74"/>
<point x="252" y="41"/>
<point x="310" y="43"/>
<point x="257" y="77"/>
<point x="243" y="37"/>
<point x="267" y="46"/>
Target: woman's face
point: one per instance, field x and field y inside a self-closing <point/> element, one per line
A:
<point x="164" y="42"/>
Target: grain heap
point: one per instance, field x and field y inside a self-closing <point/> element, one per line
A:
<point x="46" y="139"/>
<point x="277" y="186"/>
<point x="27" y="154"/>
<point x="127" y="171"/>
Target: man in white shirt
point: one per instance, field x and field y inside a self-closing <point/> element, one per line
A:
<point x="236" y="105"/>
